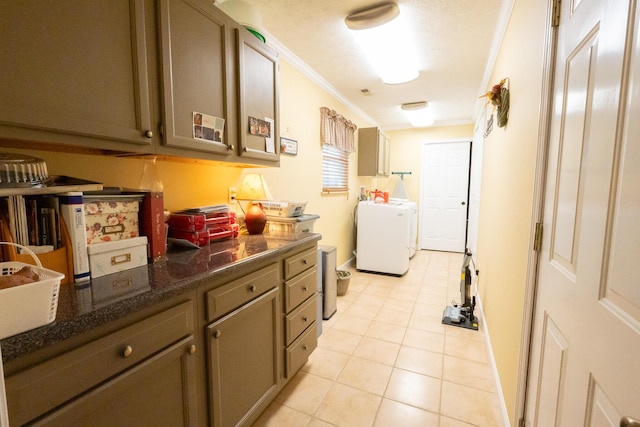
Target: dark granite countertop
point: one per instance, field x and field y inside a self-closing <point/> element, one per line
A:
<point x="82" y="307"/>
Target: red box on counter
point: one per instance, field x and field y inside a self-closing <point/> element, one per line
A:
<point x="204" y="237"/>
<point x="201" y="226"/>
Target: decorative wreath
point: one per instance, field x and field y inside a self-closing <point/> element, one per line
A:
<point x="498" y="96"/>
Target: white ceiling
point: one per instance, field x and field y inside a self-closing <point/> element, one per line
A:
<point x="455" y="39"/>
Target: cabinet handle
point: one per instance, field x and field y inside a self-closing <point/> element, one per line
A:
<point x="148" y="134"/>
<point x="304" y="261"/>
<point x="304" y="289"/>
<point x="252" y="288"/>
<point x="230" y="147"/>
<point x="304" y="347"/>
<point x="217" y="333"/>
<point x="126" y="352"/>
<point x="305" y="319"/>
<point x="192" y="349"/>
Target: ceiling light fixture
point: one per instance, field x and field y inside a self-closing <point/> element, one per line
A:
<point x="244" y="14"/>
<point x="382" y="33"/>
<point x="418" y="113"/>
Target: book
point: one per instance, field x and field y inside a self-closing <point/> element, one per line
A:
<point x="72" y="210"/>
<point x="152" y="224"/>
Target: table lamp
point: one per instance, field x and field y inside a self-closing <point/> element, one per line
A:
<point x="254" y="188"/>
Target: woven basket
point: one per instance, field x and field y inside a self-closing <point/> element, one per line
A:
<point x="28" y="306"/>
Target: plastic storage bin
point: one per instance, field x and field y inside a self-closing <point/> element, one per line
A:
<point x="29" y="306"/>
<point x="283" y="209"/>
<point x="291" y="228"/>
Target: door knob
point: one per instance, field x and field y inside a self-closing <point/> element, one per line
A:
<point x="629" y="422"/>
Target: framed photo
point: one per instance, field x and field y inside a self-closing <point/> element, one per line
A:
<point x="288" y="146"/>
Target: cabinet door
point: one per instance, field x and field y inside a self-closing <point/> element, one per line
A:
<point x="244" y="360"/>
<point x="161" y="391"/>
<point x="259" y="92"/>
<point x="383" y="154"/>
<point x="76" y="73"/>
<point x="196" y="77"/>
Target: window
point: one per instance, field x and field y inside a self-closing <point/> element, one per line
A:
<point x="335" y="169"/>
<point x="336" y="137"/>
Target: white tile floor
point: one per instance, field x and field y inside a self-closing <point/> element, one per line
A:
<point x="385" y="359"/>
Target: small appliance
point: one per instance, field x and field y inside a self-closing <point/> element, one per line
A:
<point x="462" y="314"/>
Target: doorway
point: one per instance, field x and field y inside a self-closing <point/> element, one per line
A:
<point x="586" y="322"/>
<point x="444" y="195"/>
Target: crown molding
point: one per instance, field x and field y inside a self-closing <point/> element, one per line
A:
<point x="312" y="75"/>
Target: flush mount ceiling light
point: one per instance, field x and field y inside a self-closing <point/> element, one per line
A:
<point x="244" y="14"/>
<point x="383" y="34"/>
<point x="418" y="113"/>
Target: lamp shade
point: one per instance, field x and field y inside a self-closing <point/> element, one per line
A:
<point x="253" y="187"/>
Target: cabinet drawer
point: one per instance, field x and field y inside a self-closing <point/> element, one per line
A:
<point x="298" y="353"/>
<point x="300" y="262"/>
<point x="228" y="297"/>
<point x="39" y="389"/>
<point x="300" y="319"/>
<point x="299" y="289"/>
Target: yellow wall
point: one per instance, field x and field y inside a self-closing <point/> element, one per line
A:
<point x="300" y="177"/>
<point x="196" y="184"/>
<point x="506" y="198"/>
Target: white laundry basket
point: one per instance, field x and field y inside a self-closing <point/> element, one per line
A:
<point x="29" y="306"/>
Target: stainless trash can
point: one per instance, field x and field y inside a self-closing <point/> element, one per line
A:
<point x="329" y="281"/>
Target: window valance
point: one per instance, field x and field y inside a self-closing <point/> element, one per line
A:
<point x="336" y="130"/>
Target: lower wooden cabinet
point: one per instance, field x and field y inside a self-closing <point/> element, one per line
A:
<point x="215" y="356"/>
<point x="145" y="370"/>
<point x="244" y="360"/>
<point x="158" y="392"/>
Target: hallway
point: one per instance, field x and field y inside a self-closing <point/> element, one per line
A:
<point x="385" y="359"/>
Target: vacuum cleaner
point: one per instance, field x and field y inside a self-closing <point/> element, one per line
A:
<point x="462" y="314"/>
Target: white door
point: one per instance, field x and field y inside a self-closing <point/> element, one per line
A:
<point x="443" y="198"/>
<point x="585" y="359"/>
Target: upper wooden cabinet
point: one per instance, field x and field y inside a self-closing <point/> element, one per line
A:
<point x="128" y="76"/>
<point x="77" y="73"/>
<point x="373" y="152"/>
<point x="197" y="75"/>
<point x="258" y="97"/>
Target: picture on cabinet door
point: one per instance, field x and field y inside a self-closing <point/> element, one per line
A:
<point x="207" y="128"/>
<point x="259" y="127"/>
